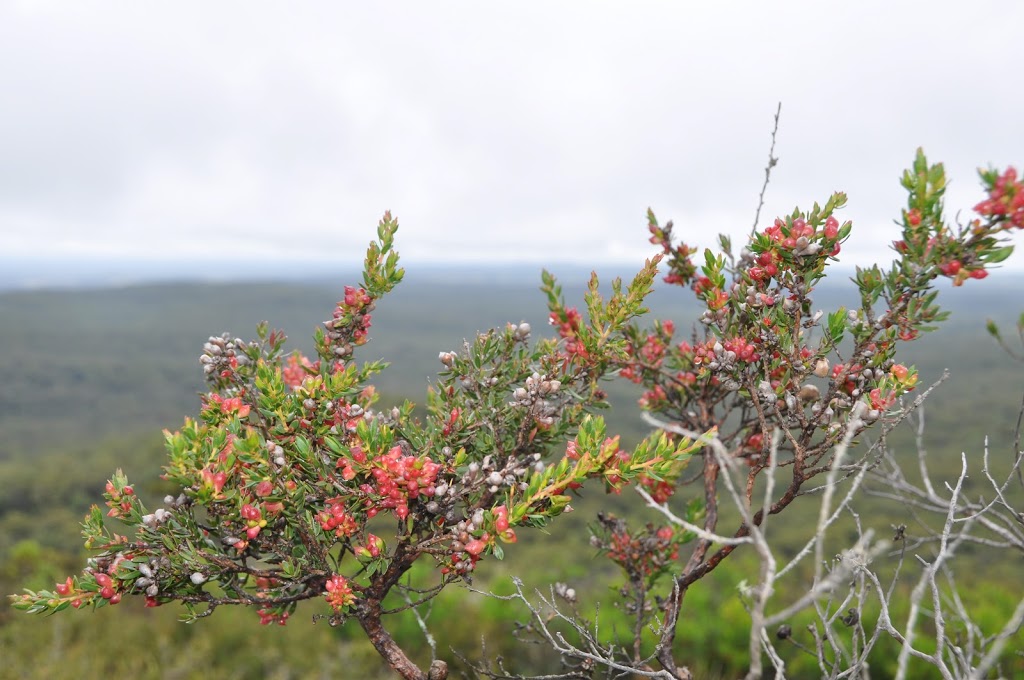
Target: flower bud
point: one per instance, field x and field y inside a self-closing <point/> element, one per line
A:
<point x="808" y="393"/>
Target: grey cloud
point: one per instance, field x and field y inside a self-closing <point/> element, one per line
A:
<point x="490" y="130"/>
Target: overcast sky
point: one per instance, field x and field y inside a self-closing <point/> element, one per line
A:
<point x="527" y="132"/>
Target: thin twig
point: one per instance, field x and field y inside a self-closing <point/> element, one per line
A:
<point x="772" y="162"/>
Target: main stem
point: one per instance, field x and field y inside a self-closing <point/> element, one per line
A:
<point x="369" y="616"/>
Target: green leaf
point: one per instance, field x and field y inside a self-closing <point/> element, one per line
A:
<point x="837" y="325"/>
<point x="998" y="255"/>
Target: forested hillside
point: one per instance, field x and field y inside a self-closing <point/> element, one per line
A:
<point x="90" y="377"/>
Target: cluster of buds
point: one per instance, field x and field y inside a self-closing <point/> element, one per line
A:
<point x="801" y="239"/>
<point x="469" y="540"/>
<point x="725" y="357"/>
<point x="346" y="417"/>
<point x="521" y="331"/>
<point x="566" y="592"/>
<point x="372" y="549"/>
<point x="120" y="499"/>
<point x="540" y="396"/>
<point x="147" y="580"/>
<point x="154" y="519"/>
<point x="107" y="588"/>
<point x="253" y="518"/>
<point x="221" y="356"/>
<point x="66" y="590"/>
<point x="492" y="477"/>
<point x="350" y="323"/>
<point x="213" y="479"/>
<point x="103" y="571"/>
<point x="855" y="379"/>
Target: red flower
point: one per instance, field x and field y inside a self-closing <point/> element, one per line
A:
<point x="338" y="593"/>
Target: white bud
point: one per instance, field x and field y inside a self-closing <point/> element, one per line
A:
<point x="197" y="578"/>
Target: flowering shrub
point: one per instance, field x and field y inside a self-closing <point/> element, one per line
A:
<point x="289" y="461"/>
<point x="773" y="377"/>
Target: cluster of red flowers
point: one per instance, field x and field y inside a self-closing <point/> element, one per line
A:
<point x="650" y="355"/>
<point x="613" y="458"/>
<point x="254" y="521"/>
<point x="568" y="324"/>
<point x="713" y="296"/>
<point x="645" y="553"/>
<point x="731" y="350"/>
<point x="1005" y="200"/>
<point x="336" y="519"/>
<point x="681" y="268"/>
<point x="226" y="405"/>
<point x="400" y="478"/>
<point x="296" y="369"/>
<point x="269" y="616"/>
<point x="659" y="489"/>
<point x="355" y="303"/>
<point x="338" y="593"/>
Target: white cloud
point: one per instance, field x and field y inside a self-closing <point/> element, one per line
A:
<point x="494" y="131"/>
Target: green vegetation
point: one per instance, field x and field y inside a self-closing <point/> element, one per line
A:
<point x="91" y="376"/>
